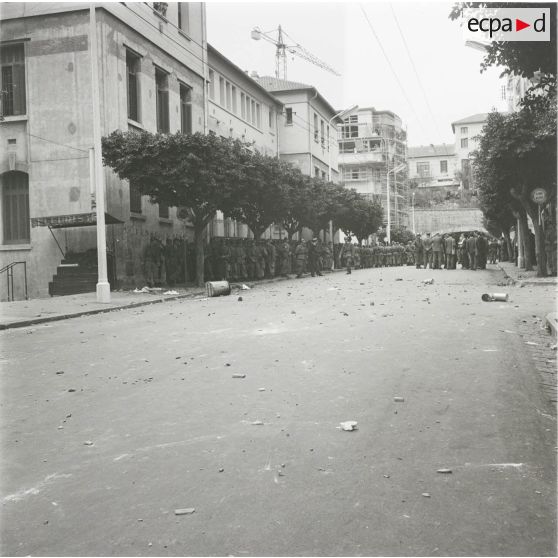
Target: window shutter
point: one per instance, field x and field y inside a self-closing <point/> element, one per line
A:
<point x="165" y="111"/>
<point x="19" y="88"/>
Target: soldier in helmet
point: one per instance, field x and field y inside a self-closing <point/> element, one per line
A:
<point x="301" y="255"/>
<point x="347" y="254"/>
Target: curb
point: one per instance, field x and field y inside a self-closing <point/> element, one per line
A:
<point x="530" y="282"/>
<point x="508" y="277"/>
<point x="551" y="321"/>
<point x="35" y="321"/>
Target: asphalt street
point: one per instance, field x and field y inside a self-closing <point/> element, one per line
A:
<point x="112" y="422"/>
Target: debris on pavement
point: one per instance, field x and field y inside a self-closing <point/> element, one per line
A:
<point x="184" y="511"/>
<point x="71" y="390"/>
<point x="426" y="494"/>
<point x="60" y="372"/>
<point x="240" y="299"/>
<point x="261" y="389"/>
<point x="495" y="297"/>
<point x="217" y="288"/>
<point x="88" y="443"/>
<point x="399" y="399"/>
<point x="428" y="281"/>
<point x="245" y="287"/>
<point x="386" y="476"/>
<point x="257" y="423"/>
<point x="171" y="292"/>
<point x="239" y="375"/>
<point x="221" y="470"/>
<point x="349" y="425"/>
<point x="444" y="471"/>
<point x="399" y="279"/>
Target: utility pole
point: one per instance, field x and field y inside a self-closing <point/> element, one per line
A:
<point x="103" y="286"/>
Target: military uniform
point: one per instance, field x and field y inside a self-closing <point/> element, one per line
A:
<point x="301" y="255"/>
<point x="347" y="255"/>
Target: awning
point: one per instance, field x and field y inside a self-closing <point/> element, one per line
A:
<point x="73" y="220"/>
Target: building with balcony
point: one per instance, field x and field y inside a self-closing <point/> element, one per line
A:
<point x="152" y="69"/>
<point x="432" y="166"/>
<point x="372" y="143"/>
<point x="308" y="129"/>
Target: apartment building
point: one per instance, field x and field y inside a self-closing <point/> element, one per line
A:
<point x="152" y="70"/>
<point x="308" y="130"/>
<point x="372" y="144"/>
<point x="432" y="166"/>
<point x="239" y="107"/>
<point x="466" y="131"/>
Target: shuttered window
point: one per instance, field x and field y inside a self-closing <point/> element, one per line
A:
<point x="12" y="86"/>
<point x="15" y="208"/>
<point x="185" y="109"/>
<point x="132" y="72"/>
<point x="163" y="211"/>
<point x="162" y="101"/>
<point x="135" y="199"/>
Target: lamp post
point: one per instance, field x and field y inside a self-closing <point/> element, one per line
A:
<point x="103" y="286"/>
<point x="413" y="211"/>
<point x="394" y="170"/>
<point x="340" y="114"/>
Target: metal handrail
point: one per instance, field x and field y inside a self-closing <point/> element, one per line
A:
<point x="9" y="269"/>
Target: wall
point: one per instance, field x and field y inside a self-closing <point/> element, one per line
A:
<point x="436" y="177"/>
<point x="447" y="220"/>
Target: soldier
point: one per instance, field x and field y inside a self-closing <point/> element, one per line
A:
<point x="464" y="256"/>
<point x="492" y="250"/>
<point x="284" y="252"/>
<point x="427" y="251"/>
<point x="250" y="260"/>
<point x="356" y="256"/>
<point x="301" y="255"/>
<point x="259" y="253"/>
<point x="270" y="257"/>
<point x="449" y="244"/>
<point x="436" y="251"/>
<point x="409" y="251"/>
<point x="327" y="258"/>
<point x="347" y="254"/>
<point x="472" y="251"/>
<point x="314" y="258"/>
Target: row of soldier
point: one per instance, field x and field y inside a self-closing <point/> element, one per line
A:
<point x="243" y="259"/>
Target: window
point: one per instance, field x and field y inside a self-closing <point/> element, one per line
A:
<point x="243" y="106"/>
<point x="253" y="111"/>
<point x="132" y="71"/>
<point x="162" y="101"/>
<point x="15" y="207"/>
<point x="258" y="115"/>
<point x="464" y="131"/>
<point x="248" y="113"/>
<point x="355" y="174"/>
<point x="317" y="172"/>
<point x="349" y="131"/>
<point x="423" y="170"/>
<point x="327" y="138"/>
<point x="135" y="199"/>
<point x="228" y="93"/>
<point x="347" y="147"/>
<point x="444" y="167"/>
<point x="233" y="95"/>
<point x="289" y="116"/>
<point x="163" y="211"/>
<point x="464" y="142"/>
<point x="212" y="85"/>
<point x="315" y="127"/>
<point x="323" y="175"/>
<point x="185" y="109"/>
<point x="270" y="119"/>
<point x="221" y="91"/>
<point x="12" y="83"/>
<point x="184" y="16"/>
<point x="322" y="129"/>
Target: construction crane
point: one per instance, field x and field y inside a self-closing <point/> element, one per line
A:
<point x="282" y="48"/>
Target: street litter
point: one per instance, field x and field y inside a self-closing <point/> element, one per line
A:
<point x="184" y="511"/>
<point x="348" y="425"/>
<point x="240" y="299"/>
<point x="428" y="281"/>
<point x="426" y="494"/>
<point x="170" y="292"/>
<point x="261" y="389"/>
<point x="446" y="471"/>
<point x="147" y="290"/>
<point x="217" y="288"/>
<point x="88" y="443"/>
<point x="530" y="343"/>
<point x="399" y="279"/>
<point x="239" y="375"/>
<point x="257" y="423"/>
<point x="399" y="399"/>
<point x="493" y="297"/>
<point x="245" y="287"/>
<point x="60" y="372"/>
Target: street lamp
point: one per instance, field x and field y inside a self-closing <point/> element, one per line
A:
<point x="395" y="170"/>
<point x="413" y="211"/>
<point x="340" y="114"/>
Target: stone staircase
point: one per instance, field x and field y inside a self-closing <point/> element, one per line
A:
<point x="73" y="278"/>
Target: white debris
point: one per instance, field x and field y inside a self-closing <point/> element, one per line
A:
<point x="184" y="511"/>
<point x="245" y="287"/>
<point x="172" y="292"/>
<point x="349" y="425"/>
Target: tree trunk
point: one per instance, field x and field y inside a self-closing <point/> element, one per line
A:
<point x="524" y="239"/>
<point x="198" y="242"/>
<point x="540" y="250"/>
<point x="508" y="242"/>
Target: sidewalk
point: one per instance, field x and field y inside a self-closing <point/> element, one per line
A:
<point x="522" y="277"/>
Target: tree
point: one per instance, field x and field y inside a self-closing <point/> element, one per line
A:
<point x="401" y="235"/>
<point x="300" y="202"/>
<point x="358" y="215"/>
<point x="199" y="172"/>
<point x="516" y="154"/>
<point x="263" y="188"/>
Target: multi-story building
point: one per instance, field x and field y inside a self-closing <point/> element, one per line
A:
<point x="432" y="166"/>
<point x="466" y="132"/>
<point x="239" y="107"/>
<point x="308" y="130"/>
<point x="372" y="144"/>
<point x="152" y="70"/>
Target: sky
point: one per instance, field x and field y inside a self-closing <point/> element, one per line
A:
<point x="449" y="86"/>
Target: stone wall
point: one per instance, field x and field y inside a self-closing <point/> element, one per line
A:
<point x="447" y="220"/>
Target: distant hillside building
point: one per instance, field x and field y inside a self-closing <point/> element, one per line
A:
<point x="432" y="166"/>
